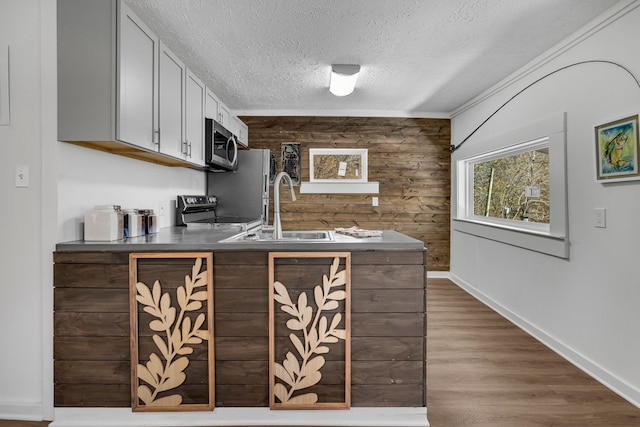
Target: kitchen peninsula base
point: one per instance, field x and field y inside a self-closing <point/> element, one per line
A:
<point x="388" y="338"/>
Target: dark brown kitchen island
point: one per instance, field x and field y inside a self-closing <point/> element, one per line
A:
<point x="388" y="324"/>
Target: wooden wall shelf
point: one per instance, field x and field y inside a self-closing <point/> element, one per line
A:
<point x="340" y="187"/>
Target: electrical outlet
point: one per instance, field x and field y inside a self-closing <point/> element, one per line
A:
<point x="161" y="209"/>
<point x="374" y="201"/>
<point x="600" y="217"/>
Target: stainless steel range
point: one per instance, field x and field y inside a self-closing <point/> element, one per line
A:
<point x="201" y="211"/>
<point x="238" y="198"/>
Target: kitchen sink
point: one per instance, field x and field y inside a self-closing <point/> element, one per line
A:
<point x="287" y="236"/>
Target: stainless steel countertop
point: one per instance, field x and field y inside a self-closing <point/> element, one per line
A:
<point x="206" y="239"/>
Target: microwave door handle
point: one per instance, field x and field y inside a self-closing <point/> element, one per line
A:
<point x="232" y="141"/>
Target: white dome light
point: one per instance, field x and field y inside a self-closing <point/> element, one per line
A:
<point x="343" y="79"/>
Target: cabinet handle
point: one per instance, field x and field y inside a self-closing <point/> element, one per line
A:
<point x="183" y="150"/>
<point x="189" y="149"/>
<point x="156" y="140"/>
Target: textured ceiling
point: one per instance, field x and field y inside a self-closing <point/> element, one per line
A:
<point x="418" y="57"/>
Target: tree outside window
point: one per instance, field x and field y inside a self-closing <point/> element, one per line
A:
<point x="514" y="187"/>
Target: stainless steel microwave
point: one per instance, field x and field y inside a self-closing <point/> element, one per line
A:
<point x="221" y="147"/>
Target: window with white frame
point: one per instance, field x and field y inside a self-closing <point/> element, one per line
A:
<point x="515" y="190"/>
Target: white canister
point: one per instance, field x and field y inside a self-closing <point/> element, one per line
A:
<point x="104" y="223"/>
<point x="133" y="223"/>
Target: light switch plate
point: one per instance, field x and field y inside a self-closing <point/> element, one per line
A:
<point x="600" y="217"/>
<point x="22" y="176"/>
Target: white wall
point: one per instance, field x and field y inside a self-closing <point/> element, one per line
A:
<point x="65" y="181"/>
<point x="588" y="307"/>
<point x="88" y="178"/>
<point x="21" y="290"/>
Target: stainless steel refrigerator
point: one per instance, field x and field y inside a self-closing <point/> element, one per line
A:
<point x="245" y="192"/>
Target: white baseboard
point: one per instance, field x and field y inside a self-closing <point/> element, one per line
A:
<point x="228" y="417"/>
<point x="21" y="411"/>
<point x="438" y="274"/>
<point x="614" y="383"/>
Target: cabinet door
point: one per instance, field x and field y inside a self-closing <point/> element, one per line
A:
<point x="243" y="133"/>
<point x="223" y="115"/>
<point x="194" y="114"/>
<point x="171" y="109"/>
<point x="240" y="130"/>
<point x="137" y="81"/>
<point x="233" y="126"/>
<point x="211" y="106"/>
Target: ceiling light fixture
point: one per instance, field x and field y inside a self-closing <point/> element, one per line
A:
<point x="343" y="79"/>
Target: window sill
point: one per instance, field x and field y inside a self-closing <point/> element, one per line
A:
<point x="534" y="240"/>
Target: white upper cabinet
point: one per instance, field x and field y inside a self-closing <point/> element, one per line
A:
<point x="233" y="125"/>
<point x="172" y="78"/>
<point x="243" y="133"/>
<point x="121" y="90"/>
<point x="216" y="110"/>
<point x="240" y="130"/>
<point x="194" y="118"/>
<point x="137" y="79"/>
<point x="86" y="70"/>
<point x="211" y="107"/>
<point x="223" y="115"/>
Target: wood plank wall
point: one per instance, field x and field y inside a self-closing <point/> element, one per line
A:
<point x="92" y="330"/>
<point x="409" y="157"/>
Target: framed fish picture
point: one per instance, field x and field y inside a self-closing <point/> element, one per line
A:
<point x="617" y="150"/>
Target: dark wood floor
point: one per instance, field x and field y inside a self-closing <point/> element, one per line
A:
<point x="484" y="371"/>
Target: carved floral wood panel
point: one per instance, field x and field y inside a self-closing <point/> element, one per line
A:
<point x="171" y="331"/>
<point x="309" y="330"/>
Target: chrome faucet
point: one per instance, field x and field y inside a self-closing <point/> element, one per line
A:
<point x="277" y="226"/>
